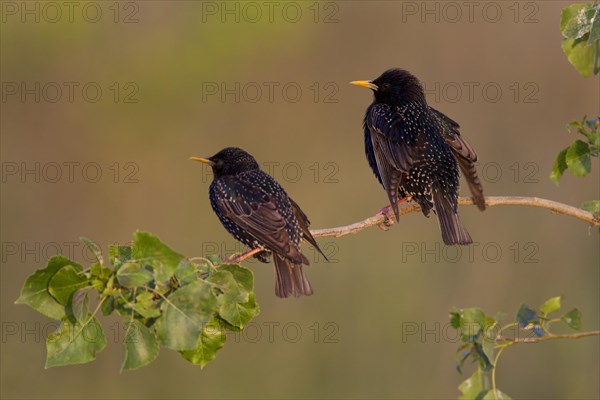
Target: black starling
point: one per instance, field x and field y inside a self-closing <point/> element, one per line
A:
<point x="258" y="212"/>
<point x="414" y="150"/>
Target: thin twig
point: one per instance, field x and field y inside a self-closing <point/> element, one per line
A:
<point x="545" y="338"/>
<point x="490" y="201"/>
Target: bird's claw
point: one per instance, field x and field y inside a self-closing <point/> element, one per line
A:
<point x="388" y="214"/>
<point x="388" y="218"/>
<point x="240" y="257"/>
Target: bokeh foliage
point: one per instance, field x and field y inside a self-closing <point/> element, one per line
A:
<point x="185" y="304"/>
<point x="484" y="338"/>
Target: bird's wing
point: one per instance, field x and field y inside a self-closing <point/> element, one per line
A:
<point x="451" y="133"/>
<point x="391" y="136"/>
<point x="304" y="224"/>
<point x="464" y="154"/>
<point x="257" y="212"/>
<point x="392" y="142"/>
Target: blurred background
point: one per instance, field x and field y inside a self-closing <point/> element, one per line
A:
<point x="103" y="103"/>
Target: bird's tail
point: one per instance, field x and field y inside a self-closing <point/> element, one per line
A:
<point x="290" y="279"/>
<point x="453" y="231"/>
<point x="470" y="172"/>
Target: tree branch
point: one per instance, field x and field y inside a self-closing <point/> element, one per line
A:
<point x="578" y="335"/>
<point x="490" y="201"/>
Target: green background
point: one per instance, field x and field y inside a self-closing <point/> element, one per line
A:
<point x="375" y="288"/>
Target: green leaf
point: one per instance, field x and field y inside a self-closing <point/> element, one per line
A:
<point x="149" y="250"/>
<point x="551" y="305"/>
<point x="580" y="56"/>
<point x="235" y="303"/>
<point x="75" y="343"/>
<point x="243" y="276"/>
<point x="141" y="346"/>
<point x="99" y="271"/>
<point x="455" y="319"/>
<point x="472" y="322"/>
<point x="77" y="308"/>
<point x="108" y="306"/>
<point x="474" y="387"/>
<point x="119" y="255"/>
<point x="211" y="340"/>
<point x="576" y="20"/>
<point x="573" y="21"/>
<point x="560" y="165"/>
<point x="594" y="128"/>
<point x="480" y="355"/>
<point x="595" y="28"/>
<point x="145" y="305"/>
<point x="184" y="314"/>
<point x="578" y="158"/>
<point x="35" y="290"/>
<point x="215" y="259"/>
<point x="132" y="275"/>
<point x="497" y="396"/>
<point x="186" y="273"/>
<point x="529" y="320"/>
<point x="488" y="342"/>
<point x="94" y="248"/>
<point x="67" y="281"/>
<point x="592" y="206"/>
<point x="526" y="316"/>
<point x="573" y="319"/>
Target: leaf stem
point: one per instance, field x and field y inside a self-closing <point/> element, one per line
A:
<point x="495" y="368"/>
<point x="206" y="260"/>
<point x="577" y="335"/>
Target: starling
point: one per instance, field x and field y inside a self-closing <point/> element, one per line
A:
<point x="258" y="212"/>
<point x="415" y="152"/>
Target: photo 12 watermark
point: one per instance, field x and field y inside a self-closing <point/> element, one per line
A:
<point x="52" y="12"/>
<point x="453" y="12"/>
<point x="517" y="172"/>
<point x="269" y="92"/>
<point x="252" y="12"/>
<point x="225" y="249"/>
<point x="271" y="332"/>
<point x="326" y="172"/>
<point x="70" y="92"/>
<point x="27" y="172"/>
<point x="527" y="92"/>
<point x="437" y="332"/>
<point x="476" y="253"/>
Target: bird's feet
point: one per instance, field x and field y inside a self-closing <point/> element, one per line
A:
<point x="388" y="218"/>
<point x="241" y="257"/>
<point x="388" y="214"/>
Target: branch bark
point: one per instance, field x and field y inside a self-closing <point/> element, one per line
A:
<point x="491" y="201"/>
<point x="577" y="335"/>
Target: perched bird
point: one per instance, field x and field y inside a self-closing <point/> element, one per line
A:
<point x="415" y="152"/>
<point x="258" y="212"/>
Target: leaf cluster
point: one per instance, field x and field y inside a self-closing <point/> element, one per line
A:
<point x="580" y="28"/>
<point x="577" y="157"/>
<point x="483" y="339"/>
<point x="165" y="299"/>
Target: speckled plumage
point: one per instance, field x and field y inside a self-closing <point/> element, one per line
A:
<point x="415" y="150"/>
<point x="258" y="212"/>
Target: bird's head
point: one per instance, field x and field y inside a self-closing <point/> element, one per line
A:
<point x="395" y="86"/>
<point x="229" y="161"/>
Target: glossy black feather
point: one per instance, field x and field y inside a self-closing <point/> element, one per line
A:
<point x="416" y="151"/>
<point x="257" y="211"/>
<point x="465" y="155"/>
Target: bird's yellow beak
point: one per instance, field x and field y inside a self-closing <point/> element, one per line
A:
<point x="202" y="160"/>
<point x="367" y="84"/>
